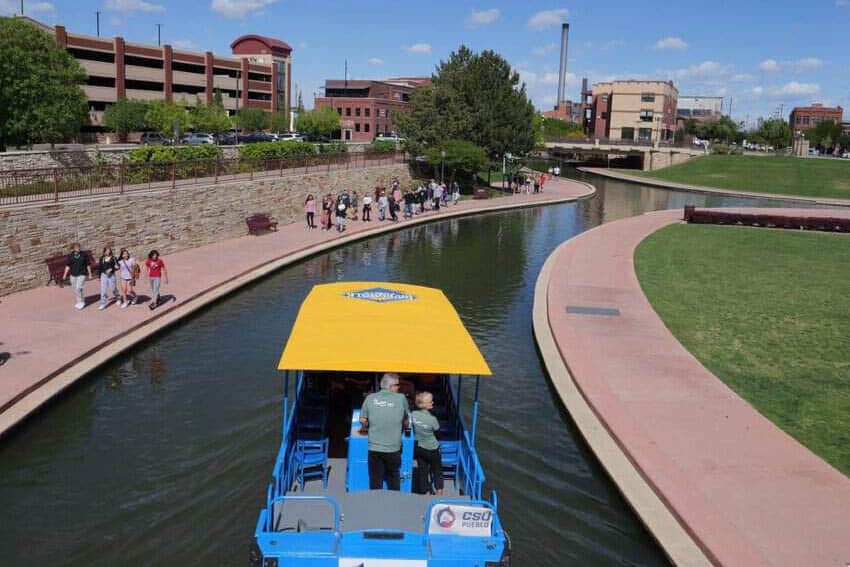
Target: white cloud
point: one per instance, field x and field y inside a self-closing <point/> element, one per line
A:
<point x="11" y="7"/>
<point x="795" y="89"/>
<point x="742" y="78"/>
<point x="418" y="48"/>
<point x="795" y="66"/>
<point x="842" y="2"/>
<point x="115" y="21"/>
<point x="133" y="6"/>
<point x="770" y="65"/>
<point x="240" y="8"/>
<point x="545" y="50"/>
<point x="482" y="17"/>
<point x="547" y="18"/>
<point x="671" y="43"/>
<point x="613" y="44"/>
<point x="708" y="72"/>
<point x="757" y="91"/>
<point x="185" y="44"/>
<point x="302" y="45"/>
<point x="375" y="61"/>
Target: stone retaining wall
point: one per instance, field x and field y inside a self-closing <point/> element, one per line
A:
<point x="166" y="220"/>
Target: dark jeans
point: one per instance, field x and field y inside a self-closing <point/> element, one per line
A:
<point x="310" y="222"/>
<point x="429" y="469"/>
<point x="384" y="466"/>
<point x="367" y="212"/>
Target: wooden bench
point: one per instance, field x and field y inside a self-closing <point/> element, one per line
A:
<point x="56" y="266"/>
<point x="259" y="223"/>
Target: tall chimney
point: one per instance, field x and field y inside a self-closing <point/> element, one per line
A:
<point x="562" y="75"/>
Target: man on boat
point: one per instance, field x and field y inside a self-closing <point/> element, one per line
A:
<point x="382" y="416"/>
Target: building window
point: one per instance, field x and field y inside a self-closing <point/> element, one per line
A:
<point x="100" y="81"/>
<point x="644" y="134"/>
<point x="647" y="97"/>
<point x="367" y="112"/>
<point x="366" y="127"/>
<point x="646" y="115"/>
<point x="143" y="85"/>
<point x="89" y="55"/>
<point x="627" y="134"/>
<point x="357" y="126"/>
<point x="603" y="115"/>
<point x="805" y="119"/>
<point x="348" y="111"/>
<point x="339" y="110"/>
<point x="188" y="67"/>
<point x="357" y="111"/>
<point x="259" y="96"/>
<point x="261" y="77"/>
<point x="143" y="62"/>
<point x="188" y="89"/>
<point x="605" y="98"/>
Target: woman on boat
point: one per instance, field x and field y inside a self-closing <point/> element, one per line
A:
<point x="429" y="461"/>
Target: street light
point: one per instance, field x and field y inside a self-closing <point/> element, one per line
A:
<point x="443" y="166"/>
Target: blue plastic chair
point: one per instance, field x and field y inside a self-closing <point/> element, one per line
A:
<point x="310" y="460"/>
<point x="450" y="453"/>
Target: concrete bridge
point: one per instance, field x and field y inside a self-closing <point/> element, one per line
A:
<point x="650" y="157"/>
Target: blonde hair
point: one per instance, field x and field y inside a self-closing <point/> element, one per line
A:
<point x="423" y="399"/>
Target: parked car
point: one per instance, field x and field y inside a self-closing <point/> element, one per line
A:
<point x="227" y="138"/>
<point x="290" y="136"/>
<point x="255" y="137"/>
<point x="198" y="138"/>
<point x="391" y="136"/>
<point x="317" y="139"/>
<point x="154" y="138"/>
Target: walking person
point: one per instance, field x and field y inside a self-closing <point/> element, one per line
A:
<point x="426" y="451"/>
<point x="367" y="208"/>
<point x="128" y="271"/>
<point x="409" y="199"/>
<point x="438" y="196"/>
<point x="107" y="267"/>
<point x="324" y="220"/>
<point x="355" y="201"/>
<point x="77" y="265"/>
<point x="383" y="202"/>
<point x="382" y="417"/>
<point x="156" y="271"/>
<point x="392" y="204"/>
<point x="456" y="193"/>
<point x="310" y="210"/>
<point x="341" y="211"/>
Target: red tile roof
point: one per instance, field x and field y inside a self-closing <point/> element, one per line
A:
<point x="270" y="42"/>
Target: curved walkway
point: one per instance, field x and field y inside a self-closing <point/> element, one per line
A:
<point x="711" y="477"/>
<point x="50" y="345"/>
<point x="710" y="190"/>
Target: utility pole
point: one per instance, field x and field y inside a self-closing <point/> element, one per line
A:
<point x="97" y="14"/>
<point x="730" y="107"/>
<point x="22" y="7"/>
<point x="346" y="75"/>
<point x="158" y="34"/>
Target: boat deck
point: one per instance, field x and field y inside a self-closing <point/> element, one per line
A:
<point x="361" y="510"/>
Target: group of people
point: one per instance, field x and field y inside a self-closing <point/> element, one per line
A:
<point x="383" y="416"/>
<point x="526" y="184"/>
<point x="118" y="276"/>
<point x="335" y="211"/>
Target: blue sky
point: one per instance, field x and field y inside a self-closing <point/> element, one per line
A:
<point x="765" y="55"/>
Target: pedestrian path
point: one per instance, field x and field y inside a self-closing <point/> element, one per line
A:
<point x="47" y="344"/>
<point x="744" y="490"/>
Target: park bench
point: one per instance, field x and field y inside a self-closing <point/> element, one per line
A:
<point x="56" y="266"/>
<point x="259" y="223"/>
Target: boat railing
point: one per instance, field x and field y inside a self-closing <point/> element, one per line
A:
<point x="268" y="526"/>
<point x="470" y="467"/>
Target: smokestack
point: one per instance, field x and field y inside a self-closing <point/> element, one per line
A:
<point x="562" y="75"/>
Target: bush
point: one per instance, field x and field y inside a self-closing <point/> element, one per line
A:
<point x="724" y="150"/>
<point x="162" y="154"/>
<point x="276" y="150"/>
<point x="333" y="148"/>
<point x="381" y="146"/>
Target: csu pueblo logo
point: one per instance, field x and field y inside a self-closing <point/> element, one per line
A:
<point x="446" y="518"/>
<point x="380" y="295"/>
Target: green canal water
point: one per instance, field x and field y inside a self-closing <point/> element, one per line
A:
<point x="162" y="456"/>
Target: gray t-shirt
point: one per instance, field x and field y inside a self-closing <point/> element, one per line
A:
<point x="424" y="426"/>
<point x="385" y="411"/>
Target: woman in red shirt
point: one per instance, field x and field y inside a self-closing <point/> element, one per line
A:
<point x="156" y="270"/>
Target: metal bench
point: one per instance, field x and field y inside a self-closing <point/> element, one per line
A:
<point x="259" y="223"/>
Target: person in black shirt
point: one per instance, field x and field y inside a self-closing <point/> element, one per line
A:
<point x="107" y="267"/>
<point x="77" y="266"/>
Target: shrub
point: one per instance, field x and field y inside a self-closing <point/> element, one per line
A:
<point x="333" y="148"/>
<point x="275" y="150"/>
<point x="381" y="146"/>
<point x="724" y="150"/>
<point x="161" y="154"/>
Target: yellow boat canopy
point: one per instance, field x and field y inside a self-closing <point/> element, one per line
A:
<point x="380" y="327"/>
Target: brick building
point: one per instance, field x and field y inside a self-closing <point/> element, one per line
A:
<point x="258" y="75"/>
<point x="366" y="108"/>
<point x="643" y="111"/>
<point x="808" y="117"/>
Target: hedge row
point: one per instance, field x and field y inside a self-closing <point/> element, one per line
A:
<point x="159" y="154"/>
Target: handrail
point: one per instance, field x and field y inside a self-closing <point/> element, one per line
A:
<point x="329" y="499"/>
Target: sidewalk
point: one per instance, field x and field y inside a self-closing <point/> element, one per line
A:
<point x="744" y="490"/>
<point x="49" y="344"/>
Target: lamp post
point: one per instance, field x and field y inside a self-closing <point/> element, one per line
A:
<point x="443" y="166"/>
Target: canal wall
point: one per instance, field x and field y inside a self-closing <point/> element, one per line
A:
<point x="168" y="220"/>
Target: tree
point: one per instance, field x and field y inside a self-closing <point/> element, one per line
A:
<point x="844" y="142"/>
<point x="211" y="118"/>
<point x="279" y="121"/>
<point x="473" y="96"/>
<point x="252" y="119"/>
<point x="459" y="157"/>
<point x="167" y="118"/>
<point x="554" y="129"/>
<point x="125" y="116"/>
<point x="40" y="94"/>
<point x="321" y="121"/>
<point x="825" y="135"/>
<point x="775" y="132"/>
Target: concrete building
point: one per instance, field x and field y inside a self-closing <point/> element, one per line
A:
<point x="643" y="111"/>
<point x="701" y="108"/>
<point x="366" y="108"/>
<point x="258" y="75"/>
<point x="808" y="117"/>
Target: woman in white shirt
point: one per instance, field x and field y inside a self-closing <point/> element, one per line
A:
<point x="127" y="273"/>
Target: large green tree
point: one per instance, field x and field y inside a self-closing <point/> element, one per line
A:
<point x="211" y="118"/>
<point x="554" y="129"/>
<point x="279" y="121"/>
<point x="252" y="119"/>
<point x="475" y="97"/>
<point x="775" y="132"/>
<point x="167" y="118"/>
<point x="826" y="134"/>
<point x="321" y="121"/>
<point x="125" y="116"/>
<point x="461" y="158"/>
<point x="40" y="94"/>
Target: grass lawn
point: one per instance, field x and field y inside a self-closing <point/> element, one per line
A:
<point x="768" y="312"/>
<point x="805" y="177"/>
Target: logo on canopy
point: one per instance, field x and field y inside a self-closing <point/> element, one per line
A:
<point x="380" y="295"/>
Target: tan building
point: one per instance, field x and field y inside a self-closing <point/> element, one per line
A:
<point x="642" y="111"/>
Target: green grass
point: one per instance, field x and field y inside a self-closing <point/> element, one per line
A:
<point x="768" y="312"/>
<point x="805" y="177"/>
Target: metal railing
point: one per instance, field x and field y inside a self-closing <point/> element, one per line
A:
<point x="601" y="141"/>
<point x="23" y="186"/>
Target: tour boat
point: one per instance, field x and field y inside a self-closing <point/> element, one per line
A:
<point x="319" y="509"/>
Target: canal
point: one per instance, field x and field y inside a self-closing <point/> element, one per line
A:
<point x="162" y="456"/>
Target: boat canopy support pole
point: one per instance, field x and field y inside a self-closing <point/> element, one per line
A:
<point x="475" y="411"/>
<point x="457" y="399"/>
<point x="285" y="400"/>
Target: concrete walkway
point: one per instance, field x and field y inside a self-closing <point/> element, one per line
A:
<point x="742" y="489"/>
<point x="48" y="344"/>
<point x="620" y="176"/>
